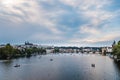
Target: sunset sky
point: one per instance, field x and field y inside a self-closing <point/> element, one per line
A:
<point x="60" y="22"/>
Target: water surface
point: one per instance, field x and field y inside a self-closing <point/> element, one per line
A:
<point x="63" y="67"/>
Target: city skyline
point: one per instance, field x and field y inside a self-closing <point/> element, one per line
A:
<point x="60" y="22"/>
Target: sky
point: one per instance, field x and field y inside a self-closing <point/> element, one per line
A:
<point x="60" y="22"/>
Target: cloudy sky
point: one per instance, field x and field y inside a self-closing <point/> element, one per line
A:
<point x="60" y="22"/>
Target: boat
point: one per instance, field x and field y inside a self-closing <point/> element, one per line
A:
<point x="17" y="65"/>
<point x="92" y="65"/>
<point x="51" y="59"/>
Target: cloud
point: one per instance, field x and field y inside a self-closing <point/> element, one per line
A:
<point x="22" y="11"/>
<point x="91" y="10"/>
<point x="45" y="37"/>
<point x="89" y="29"/>
<point x="97" y="17"/>
<point x="110" y="37"/>
<point x="86" y="4"/>
<point x="68" y="22"/>
<point x="102" y="37"/>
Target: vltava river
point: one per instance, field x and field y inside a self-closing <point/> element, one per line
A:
<point x="62" y="67"/>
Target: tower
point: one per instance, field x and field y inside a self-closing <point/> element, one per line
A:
<point x="114" y="43"/>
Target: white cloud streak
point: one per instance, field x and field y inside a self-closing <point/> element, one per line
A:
<point x="21" y="11"/>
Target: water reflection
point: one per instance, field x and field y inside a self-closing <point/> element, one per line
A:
<point x="62" y="67"/>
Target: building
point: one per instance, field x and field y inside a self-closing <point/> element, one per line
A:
<point x="2" y="46"/>
<point x="109" y="49"/>
<point x="106" y="50"/>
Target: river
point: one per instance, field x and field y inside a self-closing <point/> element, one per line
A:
<point x="61" y="67"/>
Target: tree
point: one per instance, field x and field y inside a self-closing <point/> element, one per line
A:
<point x="116" y="50"/>
<point x="56" y="50"/>
<point x="6" y="52"/>
<point x="1" y="53"/>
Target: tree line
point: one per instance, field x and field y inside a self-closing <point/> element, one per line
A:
<point x="8" y="52"/>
